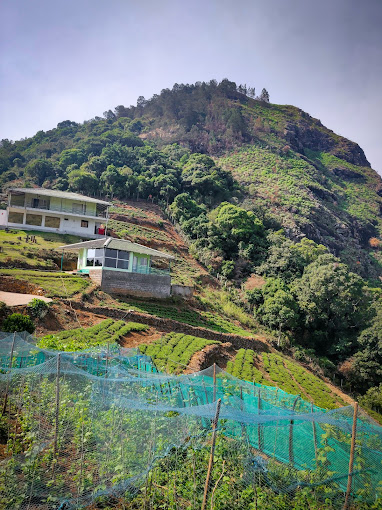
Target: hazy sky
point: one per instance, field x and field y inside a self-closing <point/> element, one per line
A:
<point x="74" y="59"/>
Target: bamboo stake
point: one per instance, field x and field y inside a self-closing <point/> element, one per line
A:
<point x="57" y="406"/>
<point x="291" y="456"/>
<point x="314" y="436"/>
<point x="351" y="458"/>
<point x="9" y="378"/>
<point x="210" y="463"/>
<point x="214" y="398"/>
<point x="259" y="428"/>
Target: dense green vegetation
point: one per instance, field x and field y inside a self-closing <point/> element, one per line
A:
<point x="173" y="352"/>
<point x="106" y="332"/>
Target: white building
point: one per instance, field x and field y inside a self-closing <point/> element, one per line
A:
<point x="55" y="211"/>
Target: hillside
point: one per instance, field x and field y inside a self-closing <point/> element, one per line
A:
<point x="239" y="189"/>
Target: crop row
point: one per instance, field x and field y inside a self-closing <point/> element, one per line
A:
<point x="122" y="228"/>
<point x="107" y="331"/>
<point x="173" y="352"/>
<point x="243" y="367"/>
<point x="319" y="392"/>
<point x="193" y="318"/>
<point x="274" y="366"/>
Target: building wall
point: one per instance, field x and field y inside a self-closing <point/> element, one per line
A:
<point x="68" y="224"/>
<point x="134" y="284"/>
<point x="183" y="291"/>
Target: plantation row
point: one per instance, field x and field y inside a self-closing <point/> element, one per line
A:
<point x="107" y="331"/>
<point x="173" y="352"/>
<point x="243" y="367"/>
<point x="284" y="374"/>
<point x="192" y="317"/>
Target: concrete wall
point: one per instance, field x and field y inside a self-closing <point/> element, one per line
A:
<point x="133" y="284"/>
<point x="182" y="291"/>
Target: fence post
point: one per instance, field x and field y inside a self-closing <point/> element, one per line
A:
<point x="259" y="427"/>
<point x="210" y="463"/>
<point x="314" y="436"/>
<point x="57" y="413"/>
<point x="351" y="458"/>
<point x="291" y="456"/>
<point x="214" y="397"/>
<point x="9" y="378"/>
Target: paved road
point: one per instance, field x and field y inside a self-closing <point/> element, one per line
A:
<point x="14" y="299"/>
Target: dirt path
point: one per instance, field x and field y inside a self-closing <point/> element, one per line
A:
<point x="16" y="299"/>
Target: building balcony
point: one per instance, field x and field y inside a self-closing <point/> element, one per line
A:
<point x="60" y="209"/>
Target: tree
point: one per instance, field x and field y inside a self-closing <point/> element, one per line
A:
<point x="113" y="181"/>
<point x="83" y="182"/>
<point x="39" y="170"/>
<point x="287" y="259"/>
<point x="333" y="302"/>
<point x="264" y="96"/>
<point x="231" y="226"/>
<point x="18" y="322"/>
<point x="279" y="311"/>
<point x="72" y="157"/>
<point x="184" y="208"/>
<point x="368" y="361"/>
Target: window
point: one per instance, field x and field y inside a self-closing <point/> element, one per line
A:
<point x="34" y="219"/>
<point x="84" y="223"/>
<point x="15" y="217"/>
<point x="90" y="257"/>
<point x="78" y="208"/>
<point x="18" y="201"/>
<point x="52" y="222"/>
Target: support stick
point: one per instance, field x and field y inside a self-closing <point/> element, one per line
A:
<point x="9" y="378"/>
<point x="259" y="428"/>
<point x="351" y="458"/>
<point x="291" y="456"/>
<point x="210" y="463"/>
<point x="214" y="398"/>
<point x="314" y="436"/>
<point x="57" y="414"/>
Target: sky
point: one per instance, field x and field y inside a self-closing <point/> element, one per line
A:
<point x="74" y="59"/>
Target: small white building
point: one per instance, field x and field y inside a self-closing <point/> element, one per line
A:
<point x="55" y="211"/>
<point x="121" y="267"/>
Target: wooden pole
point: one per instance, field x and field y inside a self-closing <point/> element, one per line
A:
<point x="259" y="428"/>
<point x="351" y="458"/>
<point x="57" y="413"/>
<point x="210" y="463"/>
<point x="291" y="456"/>
<point x="9" y="378"/>
<point x="214" y="398"/>
<point x="314" y="436"/>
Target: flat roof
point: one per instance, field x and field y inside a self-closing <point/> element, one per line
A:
<point x="58" y="194"/>
<point x="117" y="244"/>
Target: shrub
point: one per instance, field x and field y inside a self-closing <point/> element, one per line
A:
<point x="38" y="308"/>
<point x="18" y="322"/>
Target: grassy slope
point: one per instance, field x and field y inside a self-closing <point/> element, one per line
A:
<point x="41" y="254"/>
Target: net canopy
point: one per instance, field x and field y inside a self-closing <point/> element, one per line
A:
<point x="93" y="423"/>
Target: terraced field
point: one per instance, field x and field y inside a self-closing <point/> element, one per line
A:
<point x="173" y="352"/>
<point x="54" y="284"/>
<point x="273" y="369"/>
<point x="107" y="331"/>
<point x="192" y="317"/>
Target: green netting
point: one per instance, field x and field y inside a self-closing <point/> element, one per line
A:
<point x="95" y="422"/>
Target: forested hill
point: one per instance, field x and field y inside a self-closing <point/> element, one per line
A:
<point x="274" y="160"/>
<point x="262" y="192"/>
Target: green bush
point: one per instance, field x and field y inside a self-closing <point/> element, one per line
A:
<point x="38" y="308"/>
<point x="18" y="322"/>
